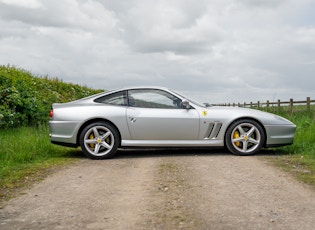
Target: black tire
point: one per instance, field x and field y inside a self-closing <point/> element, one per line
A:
<point x="99" y="140"/>
<point x="245" y="137"/>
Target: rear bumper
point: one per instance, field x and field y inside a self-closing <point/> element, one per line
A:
<point x="63" y="132"/>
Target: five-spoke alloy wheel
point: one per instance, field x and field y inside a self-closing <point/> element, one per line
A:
<point x="245" y="137"/>
<point x="99" y="140"/>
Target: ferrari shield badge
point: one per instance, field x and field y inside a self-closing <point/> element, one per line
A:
<point x="204" y="113"/>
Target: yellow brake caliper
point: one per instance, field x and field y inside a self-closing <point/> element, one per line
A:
<point x="92" y="137"/>
<point x="236" y="135"/>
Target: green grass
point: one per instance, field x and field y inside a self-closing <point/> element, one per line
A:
<point x="26" y="155"/>
<point x="299" y="158"/>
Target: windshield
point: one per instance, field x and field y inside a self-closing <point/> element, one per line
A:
<point x="189" y="99"/>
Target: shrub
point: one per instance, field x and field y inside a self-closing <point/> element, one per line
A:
<point x="26" y="99"/>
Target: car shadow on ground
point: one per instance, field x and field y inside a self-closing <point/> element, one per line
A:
<point x="168" y="152"/>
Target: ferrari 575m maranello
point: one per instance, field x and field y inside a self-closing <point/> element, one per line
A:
<point x="159" y="117"/>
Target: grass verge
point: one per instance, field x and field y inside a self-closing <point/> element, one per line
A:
<point x="299" y="158"/>
<point x="27" y="156"/>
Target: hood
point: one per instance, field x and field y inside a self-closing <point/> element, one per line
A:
<point x="265" y="118"/>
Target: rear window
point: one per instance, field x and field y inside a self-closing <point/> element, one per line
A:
<point x="119" y="98"/>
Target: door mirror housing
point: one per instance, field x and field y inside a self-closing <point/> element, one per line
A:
<point x="185" y="104"/>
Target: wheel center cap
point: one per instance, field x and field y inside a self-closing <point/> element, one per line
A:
<point x="246" y="138"/>
<point x="99" y="140"/>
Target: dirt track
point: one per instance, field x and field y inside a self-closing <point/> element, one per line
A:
<point x="170" y="189"/>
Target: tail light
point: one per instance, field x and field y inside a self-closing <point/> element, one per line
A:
<point x="51" y="114"/>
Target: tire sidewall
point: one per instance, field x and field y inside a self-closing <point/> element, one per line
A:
<point x="112" y="129"/>
<point x="228" y="136"/>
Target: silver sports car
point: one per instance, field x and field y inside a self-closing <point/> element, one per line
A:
<point x="159" y="117"/>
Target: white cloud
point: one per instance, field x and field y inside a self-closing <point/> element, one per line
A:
<point x="226" y="50"/>
<point x="33" y="4"/>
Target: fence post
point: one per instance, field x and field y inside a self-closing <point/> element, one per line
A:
<point x="279" y="105"/>
<point x="267" y="104"/>
<point x="308" y="104"/>
<point x="291" y="105"/>
<point x="258" y="104"/>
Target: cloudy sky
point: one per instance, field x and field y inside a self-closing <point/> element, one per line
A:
<point x="214" y="50"/>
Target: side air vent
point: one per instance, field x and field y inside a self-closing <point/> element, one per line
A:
<point x="213" y="130"/>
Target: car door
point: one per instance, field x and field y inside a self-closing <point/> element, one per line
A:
<point x="158" y="115"/>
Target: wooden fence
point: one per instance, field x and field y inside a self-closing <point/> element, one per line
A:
<point x="291" y="104"/>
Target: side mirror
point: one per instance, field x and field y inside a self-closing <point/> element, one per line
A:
<point x="185" y="104"/>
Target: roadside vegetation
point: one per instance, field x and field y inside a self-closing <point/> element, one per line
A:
<point x="26" y="154"/>
<point x="299" y="158"/>
<point x="25" y="99"/>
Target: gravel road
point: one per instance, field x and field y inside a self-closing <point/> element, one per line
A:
<point x="169" y="189"/>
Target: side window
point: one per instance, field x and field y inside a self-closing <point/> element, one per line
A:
<point x="152" y="98"/>
<point x="118" y="98"/>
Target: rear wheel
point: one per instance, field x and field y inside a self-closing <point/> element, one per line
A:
<point x="99" y="140"/>
<point x="245" y="137"/>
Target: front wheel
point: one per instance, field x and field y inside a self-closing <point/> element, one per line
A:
<point x="245" y="137"/>
<point x="99" y="140"/>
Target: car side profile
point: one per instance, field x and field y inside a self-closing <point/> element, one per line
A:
<point x="160" y="117"/>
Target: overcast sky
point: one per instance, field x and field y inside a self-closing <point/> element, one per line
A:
<point x="213" y="50"/>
